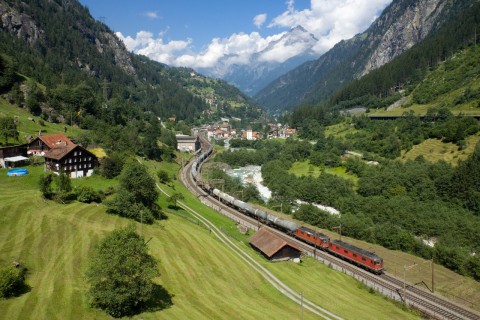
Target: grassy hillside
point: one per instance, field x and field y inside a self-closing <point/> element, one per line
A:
<point x="454" y="84"/>
<point x="28" y="127"/>
<point x="56" y="241"/>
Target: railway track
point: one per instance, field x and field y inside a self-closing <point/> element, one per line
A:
<point x="430" y="305"/>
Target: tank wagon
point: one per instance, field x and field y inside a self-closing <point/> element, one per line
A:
<point x="355" y="255"/>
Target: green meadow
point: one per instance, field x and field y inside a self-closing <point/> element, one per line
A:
<point x="200" y="277"/>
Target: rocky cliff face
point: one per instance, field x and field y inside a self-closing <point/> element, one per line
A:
<point x="16" y="20"/>
<point x="404" y="28"/>
<point x="109" y="42"/>
<point x="20" y="24"/>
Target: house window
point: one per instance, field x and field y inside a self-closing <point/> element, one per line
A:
<point x="354" y="255"/>
<point x="89" y="165"/>
<point x="363" y="258"/>
<point x="89" y="158"/>
<point x="80" y="152"/>
<point x="69" y="160"/>
<point x="346" y="251"/>
<point x="75" y="153"/>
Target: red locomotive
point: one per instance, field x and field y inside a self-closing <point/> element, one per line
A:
<point x="312" y="237"/>
<point x="361" y="257"/>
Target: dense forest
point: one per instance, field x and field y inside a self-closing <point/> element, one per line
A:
<point x="395" y="204"/>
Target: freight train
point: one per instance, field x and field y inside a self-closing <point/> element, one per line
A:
<point x="355" y="255"/>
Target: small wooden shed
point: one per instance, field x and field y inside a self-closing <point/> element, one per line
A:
<point x="273" y="247"/>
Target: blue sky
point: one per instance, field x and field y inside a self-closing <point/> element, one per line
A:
<point x="198" y="20"/>
<point x="199" y="34"/>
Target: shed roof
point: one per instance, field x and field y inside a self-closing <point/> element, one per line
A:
<point x="15" y="159"/>
<point x="268" y="242"/>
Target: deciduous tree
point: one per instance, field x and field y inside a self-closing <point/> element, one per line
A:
<point x="120" y="273"/>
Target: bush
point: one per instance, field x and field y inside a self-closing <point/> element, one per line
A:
<point x="65" y="197"/>
<point x="87" y="195"/>
<point x="12" y="281"/>
<point x="163" y="176"/>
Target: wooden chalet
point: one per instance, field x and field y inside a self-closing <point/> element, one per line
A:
<point x="72" y="159"/>
<point x="273" y="247"/>
<point x="40" y="145"/>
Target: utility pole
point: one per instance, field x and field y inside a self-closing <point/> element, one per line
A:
<point x="339" y="228"/>
<point x="433" y="277"/>
<point x="280" y="205"/>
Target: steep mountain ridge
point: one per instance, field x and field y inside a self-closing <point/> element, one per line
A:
<point x="404" y="30"/>
<point x="402" y="24"/>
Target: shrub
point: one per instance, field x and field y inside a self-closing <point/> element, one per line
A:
<point x="87" y="195"/>
<point x="12" y="281"/>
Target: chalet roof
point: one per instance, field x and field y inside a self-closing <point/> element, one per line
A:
<point x="268" y="242"/>
<point x="59" y="152"/>
<point x="53" y="140"/>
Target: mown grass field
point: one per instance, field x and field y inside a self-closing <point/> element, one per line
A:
<point x="435" y="150"/>
<point x="305" y="168"/>
<point x="203" y="279"/>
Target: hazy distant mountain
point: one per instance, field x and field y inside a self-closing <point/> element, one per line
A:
<point x="402" y="24"/>
<point x="279" y="57"/>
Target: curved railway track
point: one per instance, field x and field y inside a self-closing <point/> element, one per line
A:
<point x="428" y="304"/>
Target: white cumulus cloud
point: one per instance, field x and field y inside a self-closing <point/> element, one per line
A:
<point x="328" y="20"/>
<point x="259" y="20"/>
<point x="151" y="15"/>
<point x="331" y="20"/>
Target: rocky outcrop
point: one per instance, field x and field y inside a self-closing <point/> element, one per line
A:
<point x="109" y="42"/>
<point x="410" y="26"/>
<point x="20" y="24"/>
